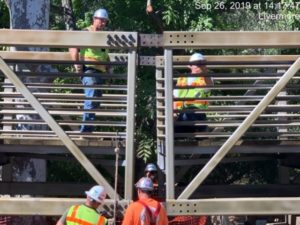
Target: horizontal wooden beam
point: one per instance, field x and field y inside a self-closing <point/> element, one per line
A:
<point x="65" y="39"/>
<point x="231" y="39"/>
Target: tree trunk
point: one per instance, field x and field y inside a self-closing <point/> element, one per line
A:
<point x="68" y="14"/>
<point x="29" y="14"/>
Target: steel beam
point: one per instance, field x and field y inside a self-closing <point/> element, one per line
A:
<point x="230" y="39"/>
<point x="170" y="183"/>
<point x="47" y="206"/>
<point x="214" y="60"/>
<point x="65" y="39"/>
<point x="234" y="206"/>
<point x="130" y="121"/>
<point x="225" y="206"/>
<point x="65" y="56"/>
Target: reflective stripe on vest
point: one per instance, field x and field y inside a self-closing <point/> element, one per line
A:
<point x="153" y="216"/>
<point x="190" y="93"/>
<point x="95" y="54"/>
<point x="73" y="218"/>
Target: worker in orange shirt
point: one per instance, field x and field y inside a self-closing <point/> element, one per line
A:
<point x="146" y="210"/>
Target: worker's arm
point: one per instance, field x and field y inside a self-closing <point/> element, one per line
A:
<point x="209" y="81"/>
<point x="129" y="216"/>
<point x="59" y="223"/>
<point x="62" y="219"/>
<point x="74" y="52"/>
<point x="155" y="17"/>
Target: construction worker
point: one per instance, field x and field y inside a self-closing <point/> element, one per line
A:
<point x="146" y="210"/>
<point x="152" y="173"/>
<point x="100" y="20"/>
<point x="155" y="16"/>
<point x="86" y="213"/>
<point x="193" y="90"/>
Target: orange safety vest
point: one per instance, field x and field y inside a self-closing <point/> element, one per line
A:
<point x="83" y="215"/>
<point x="153" y="216"/>
<point x="191" y="93"/>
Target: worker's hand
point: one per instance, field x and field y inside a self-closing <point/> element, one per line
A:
<point x="149" y="9"/>
<point x="78" y="68"/>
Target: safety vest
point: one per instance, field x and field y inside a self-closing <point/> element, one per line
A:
<point x="94" y="54"/>
<point x="153" y="216"/>
<point x="83" y="215"/>
<point x="191" y="93"/>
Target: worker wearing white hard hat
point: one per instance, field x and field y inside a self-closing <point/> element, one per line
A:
<point x="146" y="210"/>
<point x="197" y="66"/>
<point x="96" y="193"/>
<point x="86" y="213"/>
<point x="100" y="20"/>
<point x="101" y="13"/>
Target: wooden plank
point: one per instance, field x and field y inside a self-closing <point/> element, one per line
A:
<point x="231" y="39"/>
<point x="65" y="39"/>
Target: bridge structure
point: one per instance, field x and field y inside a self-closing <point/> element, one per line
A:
<point x="253" y="115"/>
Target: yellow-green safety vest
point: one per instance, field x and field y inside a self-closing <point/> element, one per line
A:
<point x="83" y="215"/>
<point x="191" y="93"/>
<point x="94" y="54"/>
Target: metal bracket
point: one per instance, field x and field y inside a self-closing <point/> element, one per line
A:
<point x="151" y="40"/>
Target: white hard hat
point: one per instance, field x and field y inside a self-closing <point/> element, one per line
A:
<point x="197" y="57"/>
<point x="101" y="13"/>
<point x="145" y="184"/>
<point x="97" y="193"/>
<point x="150" y="167"/>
